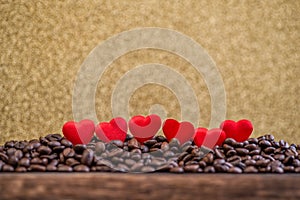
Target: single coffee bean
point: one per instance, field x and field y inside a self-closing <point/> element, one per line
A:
<point x="53" y="144"/>
<point x="209" y="158"/>
<point x="221" y="168"/>
<point x="136" y="167"/>
<point x="165" y="146"/>
<point x="7" y="168"/>
<point x="81" y="168"/>
<point x="296" y="163"/>
<point x="58" y="149"/>
<point x="51" y="168"/>
<point x="254" y="152"/>
<point x="169" y="154"/>
<point x="250" y="162"/>
<point x="209" y="169"/>
<point x="9" y="144"/>
<point x="191" y="168"/>
<point x="202" y="164"/>
<point x="72" y="162"/>
<point x="99" y="147"/>
<point x="13" y="161"/>
<point x="177" y="170"/>
<point x="3" y="157"/>
<point x="269" y="137"/>
<point x="150" y="143"/>
<point x="160" y="138"/>
<point x="174" y="142"/>
<point x="21" y="169"/>
<point x="66" y="143"/>
<point x="133" y="144"/>
<point x="269" y="150"/>
<point x="144" y="149"/>
<point x="44" y="150"/>
<point x="289" y="169"/>
<point x="251" y="147"/>
<point x="37" y="168"/>
<point x="219" y="161"/>
<point x="297" y="170"/>
<point x="104" y="163"/>
<point x="122" y="168"/>
<point x="64" y="168"/>
<point x="277" y="170"/>
<point x="227" y="147"/>
<point x="229" y="165"/>
<point x="115" y="152"/>
<point x="25" y="162"/>
<point x="234" y="159"/>
<point x="262" y="163"/>
<point x="87" y="157"/>
<point x="147" y="169"/>
<point x="288" y="160"/>
<point x="229" y="141"/>
<point x="54" y="162"/>
<point x="250" y="169"/>
<point x="68" y="153"/>
<point x="242" y="151"/>
<point x="289" y="152"/>
<point x="79" y="148"/>
<point x="235" y="170"/>
<point x="231" y="153"/>
<point x="19" y="154"/>
<point x="219" y="153"/>
<point x="129" y="162"/>
<point x="174" y="149"/>
<point x="187" y="158"/>
<point x="252" y="141"/>
<point x="11" y="152"/>
<point x="268" y="157"/>
<point x="36" y="161"/>
<point x="264" y="143"/>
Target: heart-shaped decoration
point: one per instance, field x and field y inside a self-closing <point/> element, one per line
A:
<point x="240" y="131"/>
<point x="183" y="131"/>
<point x="209" y="138"/>
<point x="144" y="128"/>
<point x="116" y="129"/>
<point x="79" y="132"/>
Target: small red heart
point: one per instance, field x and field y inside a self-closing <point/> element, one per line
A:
<point x="183" y="131"/>
<point x="79" y="132"/>
<point x="240" y="131"/>
<point x="116" y="129"/>
<point x="144" y="128"/>
<point x="209" y="138"/>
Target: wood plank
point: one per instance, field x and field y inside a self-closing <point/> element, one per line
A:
<point x="148" y="186"/>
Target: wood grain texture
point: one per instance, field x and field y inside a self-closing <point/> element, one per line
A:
<point x="148" y="186"/>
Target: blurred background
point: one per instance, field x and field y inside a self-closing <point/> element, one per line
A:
<point x="255" y="45"/>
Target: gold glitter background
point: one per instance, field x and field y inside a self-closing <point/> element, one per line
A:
<point x="255" y="45"/>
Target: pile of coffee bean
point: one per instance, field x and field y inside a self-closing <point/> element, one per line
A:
<point x="54" y="153"/>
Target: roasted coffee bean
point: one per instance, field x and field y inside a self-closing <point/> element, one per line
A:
<point x="209" y="158"/>
<point x="250" y="169"/>
<point x="289" y="169"/>
<point x="227" y="147"/>
<point x="218" y="161"/>
<point x="136" y="167"/>
<point x="297" y="170"/>
<point x="219" y="153"/>
<point x="165" y="146"/>
<point x="169" y="154"/>
<point x="229" y="141"/>
<point x="37" y="168"/>
<point x="104" y="163"/>
<point x="79" y="148"/>
<point x="53" y="144"/>
<point x="262" y="163"/>
<point x="177" y="170"/>
<point x="174" y="149"/>
<point x="242" y="151"/>
<point x="99" y="147"/>
<point x="144" y="149"/>
<point x="68" y="153"/>
<point x="81" y="168"/>
<point x="72" y="162"/>
<point x="20" y="169"/>
<point x="296" y="163"/>
<point x="269" y="150"/>
<point x="234" y="159"/>
<point x="13" y="161"/>
<point x="150" y="143"/>
<point x="191" y="168"/>
<point x="19" y="154"/>
<point x="277" y="170"/>
<point x="58" y="149"/>
<point x="9" y="144"/>
<point x="64" y="168"/>
<point x="251" y="147"/>
<point x="231" y="153"/>
<point x="122" y="168"/>
<point x="25" y="162"/>
<point x="147" y="169"/>
<point x="254" y="152"/>
<point x="11" y="151"/>
<point x="264" y="143"/>
<point x="129" y="162"/>
<point x="160" y="138"/>
<point x="202" y="164"/>
<point x="221" y="168"/>
<point x="87" y="157"/>
<point x="235" y="170"/>
<point x="36" y="161"/>
<point x="44" y="150"/>
<point x="3" y="157"/>
<point x="269" y="137"/>
<point x="115" y="152"/>
<point x="7" y="168"/>
<point x="288" y="160"/>
<point x="252" y="141"/>
<point x="209" y="169"/>
<point x="133" y="144"/>
<point x="257" y="157"/>
<point x="174" y="142"/>
<point x="66" y="143"/>
<point x="54" y="162"/>
<point x="250" y="162"/>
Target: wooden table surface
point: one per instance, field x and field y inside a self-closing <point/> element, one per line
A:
<point x="157" y="186"/>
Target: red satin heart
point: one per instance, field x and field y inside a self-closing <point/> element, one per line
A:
<point x="240" y="131"/>
<point x="79" y="132"/>
<point x="183" y="131"/>
<point x="116" y="129"/>
<point x="144" y="128"/>
<point x="209" y="138"/>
